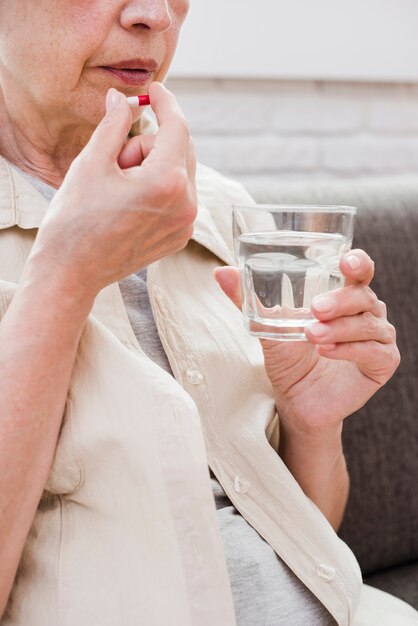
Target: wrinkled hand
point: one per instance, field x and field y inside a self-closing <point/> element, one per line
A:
<point x="351" y="351"/>
<point x="123" y="204"/>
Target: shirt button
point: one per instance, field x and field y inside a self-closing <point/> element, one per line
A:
<point x="194" y="377"/>
<point x="241" y="485"/>
<point x="326" y="572"/>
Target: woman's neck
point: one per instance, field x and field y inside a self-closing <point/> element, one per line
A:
<point x="44" y="150"/>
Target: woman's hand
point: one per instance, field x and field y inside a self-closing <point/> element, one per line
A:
<point x="351" y="351"/>
<point x="350" y="354"/>
<point x="123" y="204"/>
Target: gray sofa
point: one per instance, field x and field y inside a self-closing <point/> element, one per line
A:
<point x="381" y="440"/>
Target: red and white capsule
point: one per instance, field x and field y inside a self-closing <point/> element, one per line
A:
<point x="138" y="101"/>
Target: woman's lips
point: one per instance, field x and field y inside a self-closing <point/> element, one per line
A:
<point x="136" y="77"/>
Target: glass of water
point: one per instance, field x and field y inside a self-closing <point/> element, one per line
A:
<point x="287" y="255"/>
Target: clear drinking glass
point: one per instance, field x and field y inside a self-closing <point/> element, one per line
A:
<point x="287" y="255"/>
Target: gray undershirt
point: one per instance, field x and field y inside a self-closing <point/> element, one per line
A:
<point x="265" y="591"/>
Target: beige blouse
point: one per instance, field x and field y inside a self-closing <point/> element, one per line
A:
<point x="126" y="532"/>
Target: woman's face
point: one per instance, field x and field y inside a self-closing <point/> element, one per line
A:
<point x="61" y="56"/>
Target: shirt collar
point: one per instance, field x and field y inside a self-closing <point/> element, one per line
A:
<point x="24" y="206"/>
<point x="20" y="203"/>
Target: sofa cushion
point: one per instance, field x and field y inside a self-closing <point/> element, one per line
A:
<point x="400" y="581"/>
<point x="380" y="440"/>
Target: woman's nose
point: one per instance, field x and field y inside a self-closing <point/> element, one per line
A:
<point x="151" y="14"/>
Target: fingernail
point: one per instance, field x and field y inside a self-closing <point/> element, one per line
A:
<point x="323" y="303"/>
<point x="113" y="98"/>
<point x="318" y="330"/>
<point x="353" y="261"/>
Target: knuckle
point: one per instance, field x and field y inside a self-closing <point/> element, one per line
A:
<point x="391" y="330"/>
<point x="370" y="323"/>
<point x="169" y="186"/>
<point x="396" y="358"/>
<point x="192" y="210"/>
<point x="392" y="360"/>
<point x="382" y="308"/>
<point x="183" y="238"/>
<point x="158" y="190"/>
<point x="176" y="182"/>
<point x="375" y="350"/>
<point x="188" y="213"/>
<point x="188" y="233"/>
<point x="349" y="349"/>
<point x="371" y="298"/>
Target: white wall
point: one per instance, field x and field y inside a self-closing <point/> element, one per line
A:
<point x="285" y="89"/>
<point x="302" y="129"/>
<point x="314" y="39"/>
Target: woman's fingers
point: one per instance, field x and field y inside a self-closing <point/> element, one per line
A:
<point x="357" y="267"/>
<point x="376" y="360"/>
<point x="135" y="151"/>
<point x="172" y="141"/>
<point x="138" y="148"/>
<point x="347" y="301"/>
<point x="229" y="281"/>
<point x="352" y="324"/>
<point x="109" y="137"/>
<point x="361" y="327"/>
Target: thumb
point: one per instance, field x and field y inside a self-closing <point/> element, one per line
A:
<point x="110" y="135"/>
<point x="229" y="281"/>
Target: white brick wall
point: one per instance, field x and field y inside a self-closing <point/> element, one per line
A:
<point x="284" y="130"/>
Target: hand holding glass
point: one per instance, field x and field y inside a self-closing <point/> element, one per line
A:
<point x="287" y="255"/>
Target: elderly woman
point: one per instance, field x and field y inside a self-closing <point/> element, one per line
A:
<point x="125" y="370"/>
